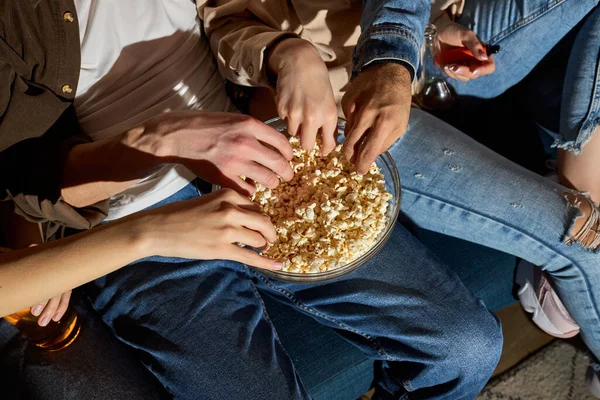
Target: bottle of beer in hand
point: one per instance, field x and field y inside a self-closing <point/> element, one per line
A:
<point x="54" y="336"/>
<point x="433" y="92"/>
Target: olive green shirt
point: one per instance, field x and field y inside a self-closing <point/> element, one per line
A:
<point x="39" y="70"/>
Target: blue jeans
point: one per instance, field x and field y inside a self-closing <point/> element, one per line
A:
<point x="202" y="329"/>
<point x="453" y="185"/>
<point x="526" y="31"/>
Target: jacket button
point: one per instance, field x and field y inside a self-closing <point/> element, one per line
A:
<point x="250" y="70"/>
<point x="67" y="89"/>
<point x="68" y="17"/>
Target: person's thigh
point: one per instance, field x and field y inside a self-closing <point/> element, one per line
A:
<point x="526" y="31"/>
<point x="456" y="186"/>
<point x="406" y="308"/>
<point x="200" y="327"/>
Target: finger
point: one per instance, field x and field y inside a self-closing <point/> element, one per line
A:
<point x="240" y="186"/>
<point x="49" y="311"/>
<point x="460" y="71"/>
<point x="261" y="174"/>
<point x="472" y="43"/>
<point x="355" y="137"/>
<point x="275" y="139"/>
<point x="448" y="72"/>
<point x="38" y="308"/>
<point x="485" y="68"/>
<point x="62" y="306"/>
<point x="452" y="72"/>
<point x="249" y="257"/>
<point x="293" y="121"/>
<point x="251" y="207"/>
<point x="251" y="238"/>
<point x="308" y="133"/>
<point x="374" y="145"/>
<point x="348" y="107"/>
<point x="274" y="161"/>
<point x="329" y="133"/>
<point x="257" y="222"/>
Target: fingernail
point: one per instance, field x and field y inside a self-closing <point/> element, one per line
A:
<point x="476" y="72"/>
<point x="44" y="321"/>
<point x="36" y="311"/>
<point x="57" y="317"/>
<point x="277" y="265"/>
<point x="482" y="54"/>
<point x="454" y="68"/>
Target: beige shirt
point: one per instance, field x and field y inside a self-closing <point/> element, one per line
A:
<point x="241" y="30"/>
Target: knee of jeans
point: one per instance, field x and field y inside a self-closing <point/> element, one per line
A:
<point x="474" y="347"/>
<point x="480" y="353"/>
<point x="584" y="221"/>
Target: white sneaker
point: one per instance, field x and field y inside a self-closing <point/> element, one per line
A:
<point x="539" y="298"/>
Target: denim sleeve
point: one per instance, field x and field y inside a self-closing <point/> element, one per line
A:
<point x="392" y="30"/>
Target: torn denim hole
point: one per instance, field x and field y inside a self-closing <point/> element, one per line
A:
<point x="589" y="234"/>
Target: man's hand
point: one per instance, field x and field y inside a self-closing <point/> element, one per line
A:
<point x="377" y="107"/>
<point x="451" y="35"/>
<point x="304" y="95"/>
<point x="218" y="147"/>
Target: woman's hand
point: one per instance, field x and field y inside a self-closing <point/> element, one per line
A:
<point x="304" y="96"/>
<point x="51" y="310"/>
<point x="452" y="35"/>
<point x="210" y="227"/>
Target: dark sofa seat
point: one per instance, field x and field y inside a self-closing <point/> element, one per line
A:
<point x="97" y="366"/>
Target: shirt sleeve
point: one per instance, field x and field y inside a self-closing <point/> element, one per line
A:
<point x="31" y="160"/>
<point x="392" y="30"/>
<point x="240" y="32"/>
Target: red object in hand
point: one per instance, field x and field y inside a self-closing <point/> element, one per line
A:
<point x="462" y="55"/>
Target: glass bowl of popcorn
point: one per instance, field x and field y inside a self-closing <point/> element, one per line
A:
<point x="329" y="219"/>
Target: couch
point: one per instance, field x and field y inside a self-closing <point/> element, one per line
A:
<point x="98" y="366"/>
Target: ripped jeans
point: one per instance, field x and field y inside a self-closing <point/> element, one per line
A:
<point x="453" y="185"/>
<point x="527" y="30"/>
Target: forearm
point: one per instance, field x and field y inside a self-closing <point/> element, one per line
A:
<point x="96" y="171"/>
<point x="239" y="37"/>
<point x="29" y="276"/>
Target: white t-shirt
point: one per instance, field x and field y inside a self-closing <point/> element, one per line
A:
<point x="140" y="58"/>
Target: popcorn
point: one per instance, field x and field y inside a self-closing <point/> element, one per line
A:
<point x="328" y="215"/>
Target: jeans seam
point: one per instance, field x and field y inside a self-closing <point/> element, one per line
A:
<point x="525" y="20"/>
<point x="245" y="268"/>
<point x="290" y="296"/>
<point x="555" y="252"/>
<point x="590" y="123"/>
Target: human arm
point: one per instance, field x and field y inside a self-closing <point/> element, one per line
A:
<point x="203" y="228"/>
<point x="386" y="58"/>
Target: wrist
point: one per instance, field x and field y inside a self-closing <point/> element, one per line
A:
<point x="398" y="72"/>
<point x="289" y="50"/>
<point x="138" y="232"/>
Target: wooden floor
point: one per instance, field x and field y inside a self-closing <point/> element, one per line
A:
<point x="521" y="337"/>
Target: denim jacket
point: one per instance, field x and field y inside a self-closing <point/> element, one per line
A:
<point x="392" y="30"/>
